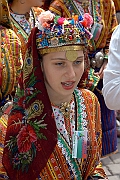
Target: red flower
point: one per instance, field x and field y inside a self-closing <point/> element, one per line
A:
<point x="89" y="20"/>
<point x="61" y="20"/>
<point x="84" y="23"/>
<point x="14" y="122"/>
<point x="25" y="138"/>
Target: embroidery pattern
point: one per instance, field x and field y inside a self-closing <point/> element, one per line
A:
<point x="82" y="125"/>
<point x="23" y="147"/>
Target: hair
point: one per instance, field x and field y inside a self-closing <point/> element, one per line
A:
<point x="46" y="4"/>
<point x="10" y="1"/>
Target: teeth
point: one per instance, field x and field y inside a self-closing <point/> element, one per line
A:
<point x="68" y="84"/>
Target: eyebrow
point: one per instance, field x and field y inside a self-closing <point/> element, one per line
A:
<point x="58" y="59"/>
<point x="80" y="57"/>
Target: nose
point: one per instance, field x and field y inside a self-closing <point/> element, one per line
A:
<point x="70" y="72"/>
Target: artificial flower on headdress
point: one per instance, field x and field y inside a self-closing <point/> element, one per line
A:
<point x="45" y="17"/>
<point x="87" y="20"/>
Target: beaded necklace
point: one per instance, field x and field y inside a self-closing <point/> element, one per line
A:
<point x="79" y="118"/>
<point x="65" y="109"/>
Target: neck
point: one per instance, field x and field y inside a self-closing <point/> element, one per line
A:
<point x="23" y="8"/>
<point x="59" y="100"/>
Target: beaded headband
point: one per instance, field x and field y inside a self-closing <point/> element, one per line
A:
<point x="58" y="34"/>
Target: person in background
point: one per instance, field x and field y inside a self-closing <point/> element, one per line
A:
<point x="117" y="7"/>
<point x="104" y="17"/>
<point x="54" y="128"/>
<point x="111" y="80"/>
<point x="13" y="39"/>
<point x="24" y="18"/>
<point x="10" y="67"/>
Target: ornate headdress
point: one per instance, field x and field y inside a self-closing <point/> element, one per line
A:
<point x="58" y="34"/>
<point x="4" y="14"/>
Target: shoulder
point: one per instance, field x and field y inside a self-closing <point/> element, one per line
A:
<point x="90" y="106"/>
<point x="56" y="7"/>
<point x="104" y="2"/>
<point x="115" y="35"/>
<point x="115" y="44"/>
<point x="87" y="92"/>
<point x="88" y="95"/>
<point x="108" y="6"/>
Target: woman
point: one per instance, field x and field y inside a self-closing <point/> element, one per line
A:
<point x="111" y="88"/>
<point x="54" y="129"/>
<point x="117" y="7"/>
<point x="10" y="66"/>
<point x="24" y="18"/>
<point x="103" y="13"/>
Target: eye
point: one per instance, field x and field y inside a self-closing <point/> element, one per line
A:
<point x="77" y="62"/>
<point x="59" y="63"/>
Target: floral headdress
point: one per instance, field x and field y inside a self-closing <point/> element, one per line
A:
<point x="56" y="31"/>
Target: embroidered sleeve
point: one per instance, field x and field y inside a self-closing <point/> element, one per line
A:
<point x="3" y="126"/>
<point x="98" y="171"/>
<point x="17" y="55"/>
<point x="55" y="7"/>
<point x="112" y="25"/>
<point x="93" y="168"/>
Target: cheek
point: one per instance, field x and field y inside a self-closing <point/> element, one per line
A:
<point x="80" y="70"/>
<point x="50" y="76"/>
<point x="82" y="67"/>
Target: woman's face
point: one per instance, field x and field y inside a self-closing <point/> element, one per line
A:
<point x="62" y="75"/>
<point x="34" y="3"/>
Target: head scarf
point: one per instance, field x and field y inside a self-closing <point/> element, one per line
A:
<point x="4" y="14"/>
<point x="39" y="110"/>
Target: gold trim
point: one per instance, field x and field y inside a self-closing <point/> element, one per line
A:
<point x="71" y="55"/>
<point x="61" y="48"/>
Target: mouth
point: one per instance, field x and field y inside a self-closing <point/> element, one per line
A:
<point x="68" y="84"/>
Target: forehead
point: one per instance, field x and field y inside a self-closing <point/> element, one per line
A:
<point x="65" y="55"/>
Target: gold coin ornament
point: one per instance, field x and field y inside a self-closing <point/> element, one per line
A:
<point x="71" y="55"/>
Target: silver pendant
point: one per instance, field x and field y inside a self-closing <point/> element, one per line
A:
<point x="98" y="60"/>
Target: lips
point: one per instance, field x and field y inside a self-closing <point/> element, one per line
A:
<point x="68" y="85"/>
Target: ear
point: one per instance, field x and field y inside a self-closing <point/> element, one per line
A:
<point x="41" y="66"/>
<point x="86" y="60"/>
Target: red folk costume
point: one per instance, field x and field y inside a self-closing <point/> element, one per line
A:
<point x="22" y="25"/>
<point x="103" y="13"/>
<point x="39" y="134"/>
<point x="117" y="5"/>
<point x="10" y="66"/>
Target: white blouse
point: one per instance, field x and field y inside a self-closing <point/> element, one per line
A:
<point x="111" y="79"/>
